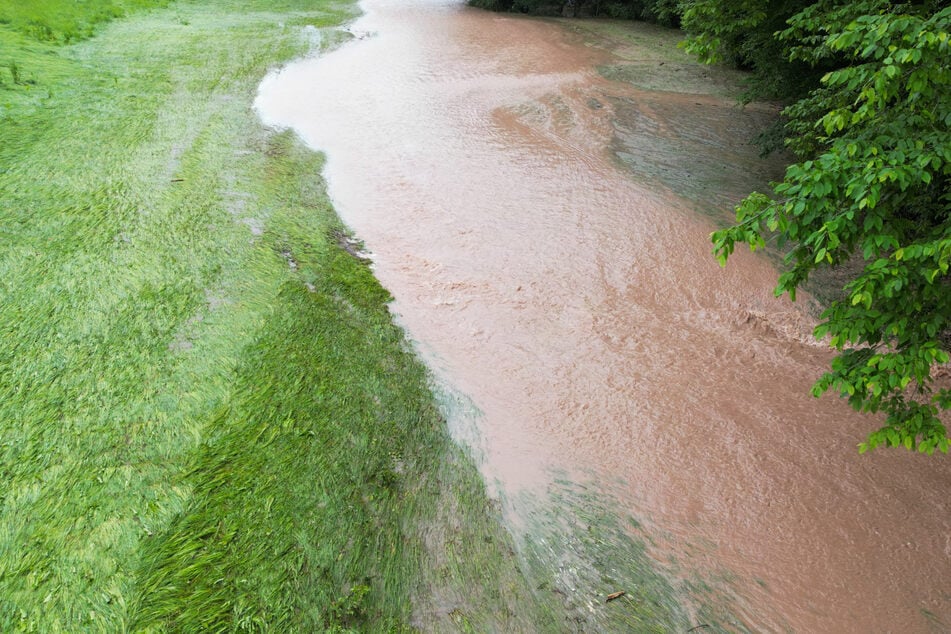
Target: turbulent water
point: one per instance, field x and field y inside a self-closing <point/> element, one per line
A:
<point x="538" y="227"/>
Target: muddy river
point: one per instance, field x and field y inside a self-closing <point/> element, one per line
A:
<point x="538" y="196"/>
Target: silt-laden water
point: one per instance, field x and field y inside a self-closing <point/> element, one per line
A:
<point x="538" y="226"/>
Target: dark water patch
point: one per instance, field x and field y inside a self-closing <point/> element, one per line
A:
<point x="699" y="148"/>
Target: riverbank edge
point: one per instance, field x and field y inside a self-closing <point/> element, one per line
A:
<point x="210" y="420"/>
<point x="570" y="544"/>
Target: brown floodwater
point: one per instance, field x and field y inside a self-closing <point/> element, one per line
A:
<point x="540" y="228"/>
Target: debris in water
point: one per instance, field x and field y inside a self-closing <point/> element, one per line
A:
<point x="351" y="245"/>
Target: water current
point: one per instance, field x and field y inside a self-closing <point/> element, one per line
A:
<point x="537" y="201"/>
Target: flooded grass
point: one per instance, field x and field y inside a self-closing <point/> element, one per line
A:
<point x="648" y="57"/>
<point x="700" y="151"/>
<point x="689" y="131"/>
<point x="208" y="421"/>
<point x="596" y="563"/>
<point x="588" y="556"/>
<point x="685" y="129"/>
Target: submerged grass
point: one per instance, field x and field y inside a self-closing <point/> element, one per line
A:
<point x="580" y="548"/>
<point x="207" y="420"/>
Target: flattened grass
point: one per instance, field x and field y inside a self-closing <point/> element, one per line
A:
<point x="66" y="20"/>
<point x="207" y="420"/>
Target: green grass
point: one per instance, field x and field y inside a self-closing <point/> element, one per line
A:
<point x="581" y="547"/>
<point x="66" y="20"/>
<point x="207" y="420"/>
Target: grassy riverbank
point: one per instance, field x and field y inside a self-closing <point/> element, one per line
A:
<point x="207" y="420"/>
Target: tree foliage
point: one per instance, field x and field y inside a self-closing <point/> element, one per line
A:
<point x="871" y="190"/>
<point x="743" y="33"/>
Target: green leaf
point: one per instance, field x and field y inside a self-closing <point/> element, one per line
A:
<point x="873" y="146"/>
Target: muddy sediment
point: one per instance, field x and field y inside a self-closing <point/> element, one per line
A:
<point x="530" y="193"/>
